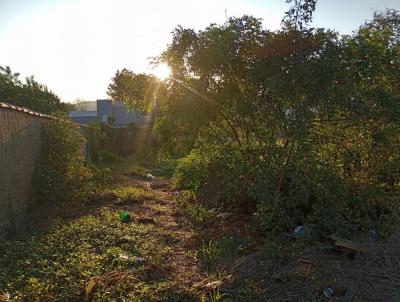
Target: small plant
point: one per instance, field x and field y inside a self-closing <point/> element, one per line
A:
<point x="216" y="295"/>
<point x="209" y="253"/>
<point x="167" y="168"/>
<point x="230" y="246"/>
<point x="184" y="198"/>
<point x="198" y="212"/>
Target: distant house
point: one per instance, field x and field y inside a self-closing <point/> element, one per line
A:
<point x="108" y="111"/>
<point x="83" y="117"/>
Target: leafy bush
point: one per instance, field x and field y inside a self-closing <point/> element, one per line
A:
<point x="191" y="171"/>
<point x="61" y="173"/>
<point x="302" y="123"/>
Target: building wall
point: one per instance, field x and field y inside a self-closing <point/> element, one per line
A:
<point x="104" y="109"/>
<point x="122" y="116"/>
<point x="20" y="143"/>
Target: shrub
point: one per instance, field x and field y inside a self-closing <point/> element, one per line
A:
<point x="62" y="174"/>
<point x="191" y="171"/>
<point x="311" y="141"/>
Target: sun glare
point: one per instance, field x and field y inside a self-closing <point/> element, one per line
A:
<point x="162" y="71"/>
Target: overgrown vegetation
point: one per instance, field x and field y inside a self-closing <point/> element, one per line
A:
<point x="95" y="257"/>
<point x="132" y="194"/>
<point x="286" y="175"/>
<point x="107" y="144"/>
<point x="63" y="175"/>
<point x="302" y="122"/>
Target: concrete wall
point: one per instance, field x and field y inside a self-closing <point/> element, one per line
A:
<point x="19" y="151"/>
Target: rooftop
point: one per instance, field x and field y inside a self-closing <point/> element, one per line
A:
<point x="82" y="113"/>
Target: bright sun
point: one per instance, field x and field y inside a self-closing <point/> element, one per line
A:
<point x="161" y="71"/>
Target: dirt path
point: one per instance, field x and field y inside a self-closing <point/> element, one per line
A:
<point x="174" y="229"/>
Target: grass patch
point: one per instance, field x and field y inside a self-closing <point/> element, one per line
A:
<point x="132" y="194"/>
<point x="63" y="262"/>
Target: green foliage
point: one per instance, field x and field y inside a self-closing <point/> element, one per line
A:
<point x="29" y="94"/>
<point x="302" y="121"/>
<point x="300" y="14"/>
<point x="132" y="194"/>
<point x="105" y="143"/>
<point x="213" y="251"/>
<point x="191" y="171"/>
<point x="137" y="91"/>
<point x="101" y="177"/>
<point x="214" y="295"/>
<point x="76" y="259"/>
<point x="209" y="253"/>
<point x="166" y="168"/>
<point x="62" y="174"/>
<point x="107" y="156"/>
<point x="197" y="211"/>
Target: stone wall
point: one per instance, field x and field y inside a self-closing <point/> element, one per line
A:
<point x="19" y="151"/>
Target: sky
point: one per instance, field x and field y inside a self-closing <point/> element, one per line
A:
<point x="76" y="46"/>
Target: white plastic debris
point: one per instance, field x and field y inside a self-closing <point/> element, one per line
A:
<point x="139" y="259"/>
<point x="126" y="257"/>
<point x="150" y="176"/>
<point x="300" y="231"/>
<point x="328" y="292"/>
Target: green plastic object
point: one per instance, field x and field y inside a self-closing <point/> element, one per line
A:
<point x="124" y="216"/>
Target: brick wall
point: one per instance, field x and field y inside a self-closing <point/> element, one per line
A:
<point x="19" y="151"/>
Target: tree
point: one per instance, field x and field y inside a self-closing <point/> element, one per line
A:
<point x="299" y="14"/>
<point x="289" y="118"/>
<point x="29" y="94"/>
<point x="137" y="91"/>
<point x="80" y="104"/>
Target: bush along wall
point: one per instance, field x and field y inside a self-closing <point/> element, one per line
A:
<point x="62" y="174"/>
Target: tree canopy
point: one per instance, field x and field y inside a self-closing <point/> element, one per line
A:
<point x="137" y="91"/>
<point x="306" y="120"/>
<point x="28" y="93"/>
